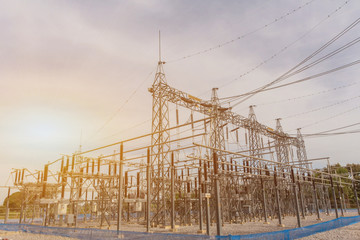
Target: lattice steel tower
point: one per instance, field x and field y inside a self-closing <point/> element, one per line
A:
<point x="300" y="150"/>
<point x="160" y="150"/>
<point x="217" y="139"/>
<point x="255" y="146"/>
<point x="281" y="145"/>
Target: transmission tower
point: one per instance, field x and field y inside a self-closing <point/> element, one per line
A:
<point x="281" y="145"/>
<point x="301" y="151"/>
<point x="160" y="146"/>
<point x="255" y="146"/>
<point x="217" y="139"/>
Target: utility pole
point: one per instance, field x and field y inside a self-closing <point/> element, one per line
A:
<point x="172" y="193"/>
<point x="148" y="191"/>
<point x="217" y="195"/>
<point x="120" y="193"/>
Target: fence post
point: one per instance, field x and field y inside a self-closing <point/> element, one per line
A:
<point x="277" y="198"/>
<point x="207" y="198"/>
<point x="148" y="190"/>
<point x="7" y="207"/>
<point x="356" y="197"/>
<point x="217" y="195"/>
<point x="172" y="192"/>
<point x="120" y="189"/>
<point x="334" y="196"/>
<point x="316" y="199"/>
<point x="296" y="198"/>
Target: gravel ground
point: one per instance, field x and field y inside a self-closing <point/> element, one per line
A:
<point x="349" y="232"/>
<point x="29" y="236"/>
<point x="241" y="229"/>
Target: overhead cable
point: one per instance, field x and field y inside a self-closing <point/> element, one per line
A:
<point x="284" y="76"/>
<point x="299" y="81"/>
<point x="308" y="95"/>
<point x="334" y="116"/>
<point x="284" y="48"/>
<point x="122" y="106"/>
<point x="321" y="108"/>
<point x="242" y="36"/>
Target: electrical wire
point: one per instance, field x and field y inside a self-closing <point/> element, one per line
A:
<point x="321" y="108"/>
<point x="331" y="134"/>
<point x="331" y="130"/>
<point x="284" y="76"/>
<point x="334" y="116"/>
<point x="308" y="95"/>
<point x="347" y="126"/>
<point x="124" y="130"/>
<point x="242" y="36"/>
<point x="286" y="47"/>
<point x="297" y="81"/>
<point x="122" y="106"/>
<point x="327" y="56"/>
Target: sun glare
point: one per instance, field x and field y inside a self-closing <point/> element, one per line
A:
<point x="42" y="131"/>
<point x="40" y="125"/>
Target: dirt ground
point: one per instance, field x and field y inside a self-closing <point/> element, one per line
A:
<point x="348" y="232"/>
<point x="242" y="229"/>
<point x="29" y="236"/>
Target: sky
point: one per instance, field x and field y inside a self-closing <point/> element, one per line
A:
<point x="77" y="72"/>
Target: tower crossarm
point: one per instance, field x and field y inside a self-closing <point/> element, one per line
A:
<point x="186" y="100"/>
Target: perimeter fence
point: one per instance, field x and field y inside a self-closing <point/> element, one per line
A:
<point x="101" y="234"/>
<point x="97" y="234"/>
<point x="296" y="233"/>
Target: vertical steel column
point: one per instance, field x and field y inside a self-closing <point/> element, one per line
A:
<point x="7" y="206"/>
<point x="356" y="196"/>
<point x="301" y="198"/>
<point x="185" y="199"/>
<point x="91" y="205"/>
<point x="340" y="198"/>
<point x="263" y="199"/>
<point x="296" y="197"/>
<point x="277" y="198"/>
<point x="86" y="204"/>
<point x="46" y="169"/>
<point x="126" y="196"/>
<point x="200" y="200"/>
<point x="207" y="197"/>
<point x="148" y="192"/>
<point x="326" y="196"/>
<point x="188" y="197"/>
<point x="120" y="188"/>
<point x="137" y="194"/>
<point x="316" y="200"/>
<point x="334" y="196"/>
<point x="217" y="195"/>
<point x="172" y="192"/>
<point x="22" y="206"/>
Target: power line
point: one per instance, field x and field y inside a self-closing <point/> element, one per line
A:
<point x="331" y="134"/>
<point x="286" y="47"/>
<point x="242" y="36"/>
<point x="334" y="129"/>
<point x="326" y="133"/>
<point x="122" y="106"/>
<point x="321" y="108"/>
<point x="334" y="116"/>
<point x="129" y="128"/>
<point x="327" y="56"/>
<point x="297" y="81"/>
<point x="285" y="75"/>
<point x="308" y="95"/>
